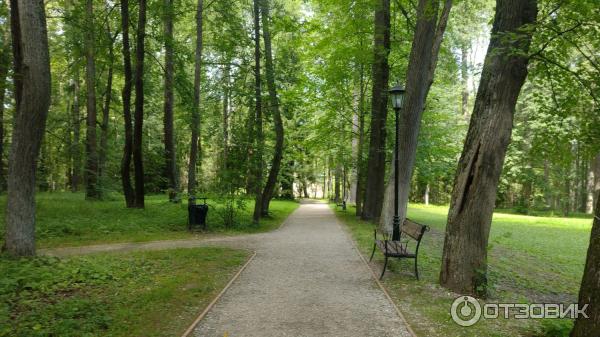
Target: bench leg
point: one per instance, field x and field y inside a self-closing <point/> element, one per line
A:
<point x="416" y="269"/>
<point x="384" y="266"/>
<point x="373" y="252"/>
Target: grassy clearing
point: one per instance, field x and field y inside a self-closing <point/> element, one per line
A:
<point x="66" y="219"/>
<point x="531" y="259"/>
<point x="137" y="294"/>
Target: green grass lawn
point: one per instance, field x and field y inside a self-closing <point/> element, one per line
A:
<point x="135" y="294"/>
<point x="531" y="259"/>
<point x="66" y="219"/>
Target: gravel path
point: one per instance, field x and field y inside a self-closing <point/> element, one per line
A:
<point x="306" y="280"/>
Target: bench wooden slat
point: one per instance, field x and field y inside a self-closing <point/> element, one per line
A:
<point x="412" y="229"/>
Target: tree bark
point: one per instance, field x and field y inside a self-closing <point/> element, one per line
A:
<point x="106" y="107"/>
<point x="226" y="112"/>
<point x="269" y="188"/>
<point x="464" y="76"/>
<point x="360" y="165"/>
<point x="128" y="190"/>
<point x="4" y="65"/>
<point x="92" y="188"/>
<point x="138" y="127"/>
<point x="429" y="33"/>
<point x="381" y="70"/>
<point x="589" y="292"/>
<point x="258" y="127"/>
<point x="195" y="141"/>
<point x="169" y="132"/>
<point x="596" y="170"/>
<point x="464" y="263"/>
<point x="32" y="97"/>
<point x="75" y="145"/>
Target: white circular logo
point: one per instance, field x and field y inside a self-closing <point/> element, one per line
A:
<point x="465" y="311"/>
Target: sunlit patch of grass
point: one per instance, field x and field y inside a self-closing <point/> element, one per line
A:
<point x="531" y="259"/>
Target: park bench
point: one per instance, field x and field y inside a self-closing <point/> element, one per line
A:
<point x="409" y="231"/>
<point x="341" y="204"/>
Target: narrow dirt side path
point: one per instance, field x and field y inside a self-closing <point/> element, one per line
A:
<point x="306" y="280"/>
<point x="240" y="241"/>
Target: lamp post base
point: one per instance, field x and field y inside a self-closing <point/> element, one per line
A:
<point x="396" y="228"/>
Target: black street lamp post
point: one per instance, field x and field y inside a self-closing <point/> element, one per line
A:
<point x="397" y="95"/>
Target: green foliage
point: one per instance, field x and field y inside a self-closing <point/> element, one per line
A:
<point x="137" y="294"/>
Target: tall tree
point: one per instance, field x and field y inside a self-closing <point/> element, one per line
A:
<point x="257" y="156"/>
<point x="381" y="72"/>
<point x="269" y="188"/>
<point x="138" y="127"/>
<point x="589" y="293"/>
<point x="429" y="33"/>
<point x="126" y="97"/>
<point x="76" y="125"/>
<point x="32" y="97"/>
<point x="107" y="101"/>
<point x="4" y="65"/>
<point x="464" y="263"/>
<point x="169" y="132"/>
<point x="194" y="147"/>
<point x="92" y="188"/>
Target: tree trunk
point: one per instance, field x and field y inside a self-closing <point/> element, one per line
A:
<point x="464" y="75"/>
<point x="92" y="188"/>
<point x="195" y="141"/>
<point x="258" y="128"/>
<point x="106" y="107"/>
<point x="596" y="169"/>
<point x="126" y="97"/>
<point x="464" y="263"/>
<point x="426" y="196"/>
<point x="169" y="132"/>
<point x="267" y="194"/>
<point x="381" y="70"/>
<point x="4" y="65"/>
<point x="138" y="127"/>
<point x="360" y="165"/>
<point x="226" y="112"/>
<point x="589" y="292"/>
<point x="75" y="145"/>
<point x="427" y="40"/>
<point x="32" y="97"/>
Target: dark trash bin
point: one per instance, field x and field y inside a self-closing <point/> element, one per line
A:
<point x="197" y="214"/>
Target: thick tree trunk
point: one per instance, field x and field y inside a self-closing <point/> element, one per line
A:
<point x="427" y="40"/>
<point x="589" y="292"/>
<point x="464" y="263"/>
<point x="258" y="123"/>
<point x="126" y="97"/>
<point x="381" y="72"/>
<point x="195" y="141"/>
<point x="106" y="108"/>
<point x="92" y="187"/>
<point x="32" y="98"/>
<point x="596" y="170"/>
<point x="138" y="127"/>
<point x="274" y="109"/>
<point x="169" y="132"/>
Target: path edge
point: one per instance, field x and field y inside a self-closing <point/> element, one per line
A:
<point x="192" y="327"/>
<point x="375" y="278"/>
